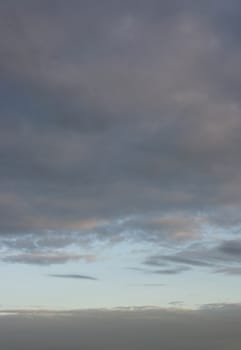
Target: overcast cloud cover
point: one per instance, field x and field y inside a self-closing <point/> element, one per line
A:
<point x="120" y="123"/>
<point x="212" y="328"/>
<point x="118" y="120"/>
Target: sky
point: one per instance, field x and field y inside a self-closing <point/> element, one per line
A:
<point x="120" y="172"/>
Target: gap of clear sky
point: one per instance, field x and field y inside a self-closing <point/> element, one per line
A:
<point x="120" y="172"/>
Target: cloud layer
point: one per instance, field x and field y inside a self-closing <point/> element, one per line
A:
<point x="216" y="326"/>
<point x="120" y="121"/>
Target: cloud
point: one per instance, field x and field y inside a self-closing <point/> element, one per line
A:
<point x="232" y="271"/>
<point x="221" y="307"/>
<point x="176" y="303"/>
<point x="124" y="121"/>
<point x="159" y="260"/>
<point x="172" y="271"/>
<point x="73" y="276"/>
<point x="232" y="248"/>
<point x="118" y="329"/>
<point x="218" y="257"/>
<point x="147" y="285"/>
<point x="46" y="258"/>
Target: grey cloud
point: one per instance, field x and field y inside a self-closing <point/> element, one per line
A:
<point x="187" y="261"/>
<point x="155" y="329"/>
<point x="172" y="271"/>
<point x="176" y="226"/>
<point x="221" y="307"/>
<point x="232" y="248"/>
<point x="223" y="257"/>
<point x="158" y="260"/>
<point x="139" y="269"/>
<point x="46" y="258"/>
<point x="153" y="284"/>
<point x="73" y="276"/>
<point x="176" y="303"/>
<point x="147" y="285"/>
<point x="124" y="117"/>
<point x="232" y="271"/>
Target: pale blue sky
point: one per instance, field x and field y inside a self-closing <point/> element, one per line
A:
<point x="117" y="284"/>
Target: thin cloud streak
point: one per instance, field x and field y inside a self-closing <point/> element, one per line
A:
<point x="73" y="276"/>
<point x="46" y="258"/>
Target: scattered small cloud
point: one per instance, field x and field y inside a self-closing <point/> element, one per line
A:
<point x="172" y="271"/>
<point x="231" y="270"/>
<point x="147" y="285"/>
<point x="176" y="303"/>
<point x="73" y="276"/>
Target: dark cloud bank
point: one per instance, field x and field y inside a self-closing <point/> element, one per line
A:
<point x="120" y="120"/>
<point x="110" y="110"/>
<point x="214" y="327"/>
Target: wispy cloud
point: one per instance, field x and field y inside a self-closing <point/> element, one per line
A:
<point x="176" y="303"/>
<point x="172" y="270"/>
<point x="46" y="258"/>
<point x="73" y="276"/>
<point x="146" y="284"/>
<point x="217" y="257"/>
